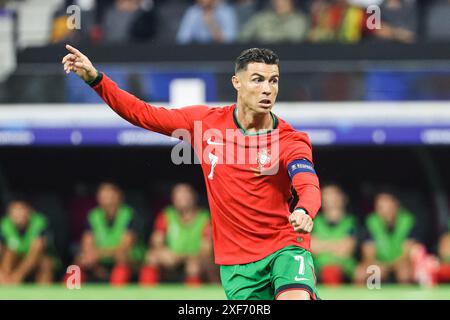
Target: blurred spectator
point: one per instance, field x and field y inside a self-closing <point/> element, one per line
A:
<point x="170" y="13"/>
<point x="336" y="20"/>
<point x="365" y="3"/>
<point x="108" y="240"/>
<point x="129" y="20"/>
<point x="398" y="21"/>
<point x="333" y="240"/>
<point x="25" y="251"/>
<point x="390" y="240"/>
<point x="282" y="23"/>
<point x="244" y="10"/>
<point x="437" y="21"/>
<point x="182" y="237"/>
<point x="444" y="256"/>
<point x="208" y="21"/>
<point x="88" y="10"/>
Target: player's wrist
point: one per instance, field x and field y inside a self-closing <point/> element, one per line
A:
<point x="301" y="210"/>
<point x="93" y="82"/>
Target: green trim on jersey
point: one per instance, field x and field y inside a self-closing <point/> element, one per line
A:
<point x="107" y="236"/>
<point x="185" y="238"/>
<point x="389" y="244"/>
<point x="327" y="232"/>
<point x="22" y="243"/>
<point x="245" y="133"/>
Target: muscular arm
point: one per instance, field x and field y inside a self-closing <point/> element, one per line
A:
<point x="126" y="105"/>
<point x="31" y="260"/>
<point x="92" y="253"/>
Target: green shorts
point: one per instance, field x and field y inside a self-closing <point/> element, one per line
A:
<point x="286" y="269"/>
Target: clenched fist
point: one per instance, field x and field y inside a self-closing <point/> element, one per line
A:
<point x="301" y="221"/>
<point x="77" y="62"/>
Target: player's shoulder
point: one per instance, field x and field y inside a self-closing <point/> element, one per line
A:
<point x="291" y="135"/>
<point x="208" y="110"/>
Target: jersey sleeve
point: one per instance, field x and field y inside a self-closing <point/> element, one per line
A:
<point x="161" y="223"/>
<point x="144" y="115"/>
<point x="299" y="163"/>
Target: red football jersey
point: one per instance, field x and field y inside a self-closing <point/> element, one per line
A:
<point x="249" y="178"/>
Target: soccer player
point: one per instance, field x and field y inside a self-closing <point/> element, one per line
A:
<point x="334" y="238"/>
<point x="261" y="240"/>
<point x="108" y="240"/>
<point x="391" y="238"/>
<point x="24" y="234"/>
<point x="182" y="236"/>
<point x="444" y="256"/>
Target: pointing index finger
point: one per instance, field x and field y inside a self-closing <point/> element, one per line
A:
<point x="73" y="50"/>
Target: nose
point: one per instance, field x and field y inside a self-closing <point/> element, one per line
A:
<point x="267" y="90"/>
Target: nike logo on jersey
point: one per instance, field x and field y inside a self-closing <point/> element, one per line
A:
<point x="300" y="279"/>
<point x="213" y="143"/>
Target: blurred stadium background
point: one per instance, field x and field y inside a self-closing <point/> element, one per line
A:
<point x="376" y="105"/>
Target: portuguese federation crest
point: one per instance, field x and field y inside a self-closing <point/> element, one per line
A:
<point x="263" y="158"/>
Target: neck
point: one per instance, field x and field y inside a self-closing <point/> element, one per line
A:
<point x="334" y="215"/>
<point x="253" y="122"/>
<point x="110" y="211"/>
<point x="187" y="214"/>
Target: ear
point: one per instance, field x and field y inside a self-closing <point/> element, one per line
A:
<point x="236" y="82"/>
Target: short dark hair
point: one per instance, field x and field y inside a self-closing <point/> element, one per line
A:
<point x="388" y="189"/>
<point x="266" y="56"/>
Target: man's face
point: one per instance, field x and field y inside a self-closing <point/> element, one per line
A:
<point x="109" y="197"/>
<point x="128" y="5"/>
<point x="206" y="4"/>
<point x="387" y="206"/>
<point x="257" y="86"/>
<point x="183" y="197"/>
<point x="282" y="7"/>
<point x="19" y="212"/>
<point x="332" y="199"/>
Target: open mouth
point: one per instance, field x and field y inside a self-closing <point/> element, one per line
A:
<point x="265" y="102"/>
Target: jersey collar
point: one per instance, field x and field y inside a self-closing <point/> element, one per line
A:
<point x="245" y="133"/>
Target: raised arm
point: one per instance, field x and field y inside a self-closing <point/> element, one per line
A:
<point x="126" y="105"/>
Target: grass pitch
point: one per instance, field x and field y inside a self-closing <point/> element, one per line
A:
<point x="209" y="292"/>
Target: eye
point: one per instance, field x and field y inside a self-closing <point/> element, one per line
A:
<point x="274" y="81"/>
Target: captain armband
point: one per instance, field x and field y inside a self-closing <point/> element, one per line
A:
<point x="300" y="166"/>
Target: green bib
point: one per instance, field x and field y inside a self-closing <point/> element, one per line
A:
<point x="109" y="236"/>
<point x="389" y="245"/>
<point x="185" y="238"/>
<point x="325" y="231"/>
<point x="21" y="243"/>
